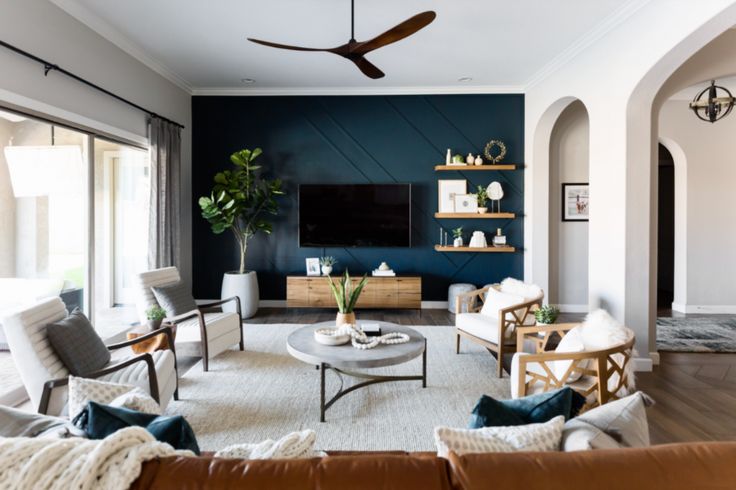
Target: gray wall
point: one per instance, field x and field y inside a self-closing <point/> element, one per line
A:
<point x="7" y="208"/>
<point x="568" y="240"/>
<point x="45" y="30"/>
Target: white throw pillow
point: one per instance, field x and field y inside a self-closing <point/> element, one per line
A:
<point x="571" y="342"/>
<point x="497" y="300"/>
<point x="84" y="390"/>
<point x="625" y="420"/>
<point x="582" y="436"/>
<point x="601" y="331"/>
<point x="521" y="288"/>
<point x="137" y="399"/>
<point x="292" y="446"/>
<point x="530" y="437"/>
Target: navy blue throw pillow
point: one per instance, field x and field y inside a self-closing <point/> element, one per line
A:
<point x="99" y="421"/>
<point x="532" y="409"/>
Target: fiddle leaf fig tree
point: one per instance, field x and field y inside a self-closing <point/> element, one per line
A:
<point x="241" y="200"/>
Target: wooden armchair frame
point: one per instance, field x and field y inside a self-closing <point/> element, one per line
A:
<point x="49" y="385"/>
<point x="599" y="365"/>
<point x="507" y="318"/>
<point x="199" y="314"/>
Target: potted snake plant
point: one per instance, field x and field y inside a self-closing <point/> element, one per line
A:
<point x="346" y="295"/>
<point x="239" y="202"/>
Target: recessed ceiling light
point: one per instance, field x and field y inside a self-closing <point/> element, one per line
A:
<point x="247" y="80"/>
<point x="465" y="79"/>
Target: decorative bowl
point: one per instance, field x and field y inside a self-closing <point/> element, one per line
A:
<point x="326" y="336"/>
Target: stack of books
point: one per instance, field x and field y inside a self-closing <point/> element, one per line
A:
<point x="386" y="273"/>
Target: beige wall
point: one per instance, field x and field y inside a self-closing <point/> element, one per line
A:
<point x="7" y="207"/>
<point x="710" y="173"/>
<point x="568" y="274"/>
<point x="43" y="29"/>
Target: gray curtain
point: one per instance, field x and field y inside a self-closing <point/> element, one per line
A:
<point x="164" y="230"/>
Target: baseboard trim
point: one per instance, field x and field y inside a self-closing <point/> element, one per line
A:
<point x="643" y="364"/>
<point x="434" y="305"/>
<point x="572" y="308"/>
<point x="705" y="309"/>
<point x="655" y="358"/>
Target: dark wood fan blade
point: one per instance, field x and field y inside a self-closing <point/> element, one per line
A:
<point x="285" y="46"/>
<point x="397" y="33"/>
<point x="369" y="69"/>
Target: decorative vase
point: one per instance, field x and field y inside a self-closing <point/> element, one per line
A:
<point x="457" y="242"/>
<point x="478" y="160"/>
<point x="326" y="270"/>
<point x="482" y="210"/>
<point x="448" y="158"/>
<point x="154" y="324"/>
<point x="345" y="319"/>
<point x="245" y="287"/>
<point x="470" y="159"/>
<point x="499" y="240"/>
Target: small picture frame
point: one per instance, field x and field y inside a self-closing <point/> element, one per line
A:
<point x="446" y="191"/>
<point x="466" y="203"/>
<point x="575" y="201"/>
<point x="313" y="266"/>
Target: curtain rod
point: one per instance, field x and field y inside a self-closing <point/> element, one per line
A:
<point x="48" y="66"/>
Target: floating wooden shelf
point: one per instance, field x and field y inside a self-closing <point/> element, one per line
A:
<point x="450" y="248"/>
<point x="506" y="166"/>
<point x="476" y="215"/>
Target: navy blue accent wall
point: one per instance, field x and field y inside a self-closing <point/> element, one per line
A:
<point x="358" y="139"/>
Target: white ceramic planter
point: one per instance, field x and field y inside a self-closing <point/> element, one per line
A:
<point x="326" y="270"/>
<point x="457" y="242"/>
<point x="245" y="287"/>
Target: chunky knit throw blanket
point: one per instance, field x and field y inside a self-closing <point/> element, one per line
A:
<point x="109" y="464"/>
<point x="291" y="446"/>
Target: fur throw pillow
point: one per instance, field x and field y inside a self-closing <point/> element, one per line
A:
<point x="601" y="331"/>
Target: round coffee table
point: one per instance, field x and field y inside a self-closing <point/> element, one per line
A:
<point x="344" y="359"/>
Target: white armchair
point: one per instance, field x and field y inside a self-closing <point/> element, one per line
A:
<point x="45" y="377"/>
<point x="592" y="358"/>
<point x="493" y="313"/>
<point x="199" y="333"/>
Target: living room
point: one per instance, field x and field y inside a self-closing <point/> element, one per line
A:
<point x="235" y="223"/>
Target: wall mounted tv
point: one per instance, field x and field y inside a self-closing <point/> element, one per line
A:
<point x="355" y="215"/>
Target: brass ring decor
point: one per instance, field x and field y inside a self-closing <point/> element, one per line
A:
<point x="502" y="151"/>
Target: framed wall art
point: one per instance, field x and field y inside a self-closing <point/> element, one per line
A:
<point x="313" y="266"/>
<point x="446" y="192"/>
<point x="466" y="203"/>
<point x="575" y="201"/>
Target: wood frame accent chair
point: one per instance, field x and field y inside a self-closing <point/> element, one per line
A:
<point x="204" y="332"/>
<point x="599" y="375"/>
<point x="491" y="314"/>
<point x="46" y="378"/>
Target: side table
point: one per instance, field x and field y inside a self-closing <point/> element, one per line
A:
<point x="159" y="342"/>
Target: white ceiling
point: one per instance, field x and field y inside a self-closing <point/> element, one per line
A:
<point x="201" y="45"/>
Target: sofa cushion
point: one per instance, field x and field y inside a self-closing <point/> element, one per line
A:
<point x="625" y="420"/>
<point x="489" y="412"/>
<point x="532" y="367"/>
<point x="530" y="437"/>
<point x="218" y="324"/>
<point x="77" y="344"/>
<point x="19" y="423"/>
<point x="175" y="298"/>
<point x="481" y="326"/>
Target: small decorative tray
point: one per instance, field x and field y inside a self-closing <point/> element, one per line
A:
<point x="327" y="336"/>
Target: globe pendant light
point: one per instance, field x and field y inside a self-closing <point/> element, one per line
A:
<point x="712" y="108"/>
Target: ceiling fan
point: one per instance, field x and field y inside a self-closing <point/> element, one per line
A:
<point x="355" y="51"/>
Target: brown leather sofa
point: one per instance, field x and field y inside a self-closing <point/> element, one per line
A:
<point x="694" y="466"/>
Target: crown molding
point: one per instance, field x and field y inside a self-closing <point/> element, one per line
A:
<point x="104" y="29"/>
<point x="581" y="44"/>
<point x="446" y="90"/>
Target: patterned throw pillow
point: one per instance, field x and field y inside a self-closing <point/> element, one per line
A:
<point x="84" y="390"/>
<point x="175" y="298"/>
<point x="532" y="437"/>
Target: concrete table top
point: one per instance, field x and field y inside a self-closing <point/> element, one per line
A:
<point x="302" y="346"/>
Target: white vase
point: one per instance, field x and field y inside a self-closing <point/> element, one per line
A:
<point x="482" y="210"/>
<point x="326" y="270"/>
<point x="245" y="287"/>
<point x="457" y="242"/>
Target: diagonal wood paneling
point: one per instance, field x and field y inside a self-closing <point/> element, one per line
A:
<point x="358" y="139"/>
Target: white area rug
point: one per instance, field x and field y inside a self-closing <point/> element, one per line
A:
<point x="264" y="393"/>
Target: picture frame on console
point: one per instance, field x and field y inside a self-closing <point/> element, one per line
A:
<point x="575" y="201"/>
<point x="446" y="192"/>
<point x="313" y="266"/>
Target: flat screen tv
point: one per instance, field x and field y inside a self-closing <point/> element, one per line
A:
<point x="355" y="215"/>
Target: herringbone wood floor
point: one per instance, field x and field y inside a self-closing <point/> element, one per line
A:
<point x="695" y="394"/>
